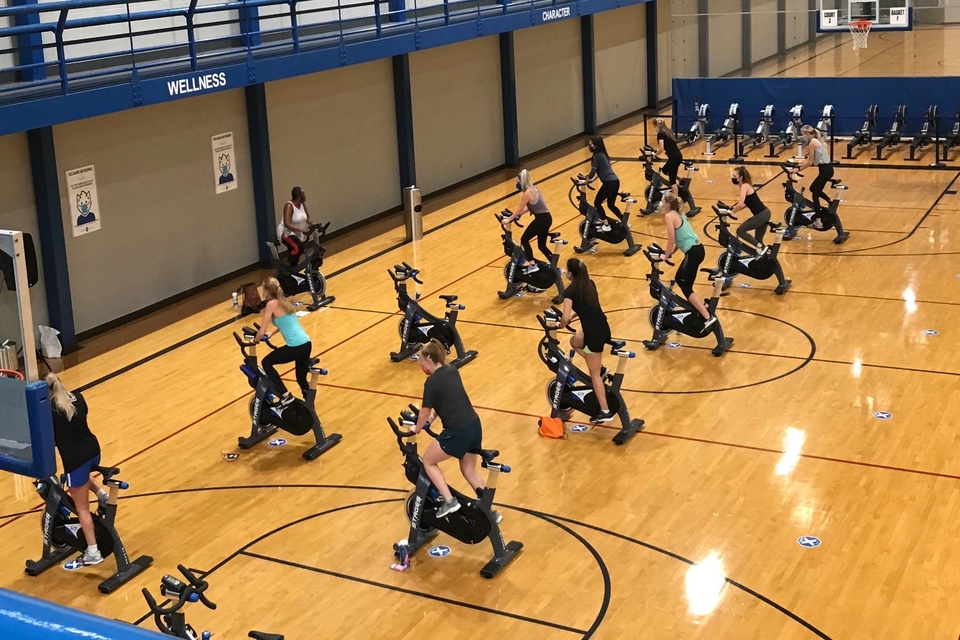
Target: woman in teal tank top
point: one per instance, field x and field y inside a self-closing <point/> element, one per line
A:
<point x="681" y="235"/>
<point x="280" y="312"/>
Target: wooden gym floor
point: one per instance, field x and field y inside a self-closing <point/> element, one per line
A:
<point x="690" y="530"/>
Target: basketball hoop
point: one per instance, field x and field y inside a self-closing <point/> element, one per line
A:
<point x="7" y="373"/>
<point x="860" y="30"/>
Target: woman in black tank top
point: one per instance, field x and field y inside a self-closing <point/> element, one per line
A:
<point x="760" y="215"/>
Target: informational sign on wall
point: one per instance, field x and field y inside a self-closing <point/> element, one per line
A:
<point x="224" y="173"/>
<point x="84" y="205"/>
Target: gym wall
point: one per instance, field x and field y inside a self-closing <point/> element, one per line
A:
<point x="678" y="43"/>
<point x="798" y="23"/>
<point x="334" y="133"/>
<point x="725" y="24"/>
<point x="620" y="62"/>
<point x="457" y="112"/>
<point x="763" y="29"/>
<point x="549" y="84"/>
<point x="164" y="230"/>
<point x="18" y="213"/>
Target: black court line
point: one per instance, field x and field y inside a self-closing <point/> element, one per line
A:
<point x="411" y="592"/>
<point x="548" y="517"/>
<point x="675" y="556"/>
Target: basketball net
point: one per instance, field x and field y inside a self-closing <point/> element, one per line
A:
<point x="860" y="30"/>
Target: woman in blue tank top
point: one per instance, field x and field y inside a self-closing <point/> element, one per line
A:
<point x="280" y="312"/>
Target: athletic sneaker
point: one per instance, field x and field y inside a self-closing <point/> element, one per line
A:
<point x="103" y="499"/>
<point x="693" y="211"/>
<point x="496" y="516"/>
<point x="709" y="321"/>
<point x="448" y="507"/>
<point x="763" y="251"/>
<point x="531" y="269"/>
<point x="605" y="227"/>
<point x="286" y="399"/>
<point x="91" y="558"/>
<point x="603" y="416"/>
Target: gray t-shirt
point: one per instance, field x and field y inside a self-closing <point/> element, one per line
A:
<point x="444" y="393"/>
<point x="602" y="169"/>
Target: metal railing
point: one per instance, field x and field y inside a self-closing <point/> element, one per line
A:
<point x="64" y="47"/>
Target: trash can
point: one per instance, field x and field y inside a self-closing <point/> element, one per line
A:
<point x="8" y="356"/>
<point x="413" y="213"/>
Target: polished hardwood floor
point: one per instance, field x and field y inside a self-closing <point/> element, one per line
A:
<point x="690" y="530"/>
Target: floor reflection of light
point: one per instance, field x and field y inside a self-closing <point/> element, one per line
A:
<point x="857" y="367"/>
<point x="792" y="449"/>
<point x="911" y="299"/>
<point x="705" y="582"/>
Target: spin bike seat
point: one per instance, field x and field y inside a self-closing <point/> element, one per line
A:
<point x="834" y="182"/>
<point x="448" y="298"/>
<point x="624" y="194"/>
<point x="617" y="344"/>
<point x="107" y="472"/>
<point x="553" y="235"/>
<point x="260" y="635"/>
<point x="487" y="455"/>
<point x="774" y="225"/>
<point x="312" y="362"/>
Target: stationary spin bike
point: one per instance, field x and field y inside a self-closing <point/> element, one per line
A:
<point x="472" y="523"/>
<point x="802" y="212"/>
<point x="546" y="275"/>
<point x="740" y="259"/>
<point x="268" y="414"/>
<point x="418" y="327"/>
<point x="591" y="227"/>
<point x="170" y="618"/>
<point x="305" y="275"/>
<point x="63" y="537"/>
<point x="572" y="389"/>
<point x="658" y="187"/>
<point x="675" y="313"/>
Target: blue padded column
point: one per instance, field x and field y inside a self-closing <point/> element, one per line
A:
<point x="508" y="91"/>
<point x="53" y="248"/>
<point x="589" y="76"/>
<point x="653" y="56"/>
<point x="262" y="169"/>
<point x="403" y="103"/>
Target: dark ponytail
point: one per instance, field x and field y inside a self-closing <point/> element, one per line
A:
<point x="580" y="283"/>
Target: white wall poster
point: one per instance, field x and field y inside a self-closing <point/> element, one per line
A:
<point x="224" y="173"/>
<point x="84" y="205"/>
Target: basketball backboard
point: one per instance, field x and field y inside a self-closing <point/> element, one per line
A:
<point x="886" y="15"/>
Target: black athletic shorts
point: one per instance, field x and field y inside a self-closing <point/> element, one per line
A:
<point x="595" y="341"/>
<point x="687" y="272"/>
<point x="670" y="169"/>
<point x="459" y="441"/>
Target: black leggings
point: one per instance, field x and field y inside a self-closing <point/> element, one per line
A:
<point x="607" y="193"/>
<point x="538" y="228"/>
<point x="817" y="186"/>
<point x="756" y="223"/>
<point x="670" y="169"/>
<point x="284" y="354"/>
<point x="687" y="271"/>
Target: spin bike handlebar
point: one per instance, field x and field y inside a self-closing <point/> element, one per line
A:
<point x="192" y="592"/>
<point x="655" y="254"/>
<point x="400" y="433"/>
<point x="503" y="215"/>
<point x="791" y="170"/>
<point x="250" y="334"/>
<point x="320" y="229"/>
<point x="581" y="182"/>
<point x="403" y="272"/>
<point x="724" y="211"/>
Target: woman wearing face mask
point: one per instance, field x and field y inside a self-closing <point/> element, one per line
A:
<point x="581" y="297"/>
<point x="680" y="235"/>
<point x="819" y="157"/>
<point x="667" y="143"/>
<point x="532" y="200"/>
<point x="444" y="395"/>
<point x="295" y="225"/>
<point x="609" y="182"/>
<point x="759" y="214"/>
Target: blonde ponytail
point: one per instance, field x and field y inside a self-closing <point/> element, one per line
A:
<point x="60" y="398"/>
<point x="272" y="287"/>
<point x="435" y="351"/>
